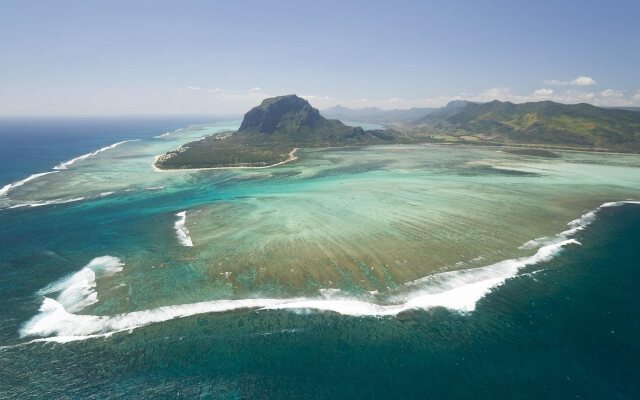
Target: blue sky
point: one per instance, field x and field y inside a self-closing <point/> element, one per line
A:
<point x="207" y="57"/>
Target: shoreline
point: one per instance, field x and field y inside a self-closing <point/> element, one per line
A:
<point x="290" y="157"/>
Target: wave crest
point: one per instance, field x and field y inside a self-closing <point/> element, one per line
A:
<point x="182" y="232"/>
<point x="77" y="291"/>
<point x="66" y="164"/>
<point x="455" y="290"/>
<point x="5" y="189"/>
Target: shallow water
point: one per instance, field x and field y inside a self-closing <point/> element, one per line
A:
<point x="385" y="233"/>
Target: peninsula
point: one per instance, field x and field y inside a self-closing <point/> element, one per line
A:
<point x="268" y="135"/>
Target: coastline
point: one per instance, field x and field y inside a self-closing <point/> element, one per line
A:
<point x="290" y="157"/>
<point x="293" y="157"/>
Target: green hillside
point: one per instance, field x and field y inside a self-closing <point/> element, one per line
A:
<point x="544" y="123"/>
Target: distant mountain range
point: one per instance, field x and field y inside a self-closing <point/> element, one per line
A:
<point x="403" y="116"/>
<point x="543" y="123"/>
<point x="374" y="114"/>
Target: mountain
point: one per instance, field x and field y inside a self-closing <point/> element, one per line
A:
<point x="542" y="123"/>
<point x="269" y="133"/>
<point x="374" y="114"/>
<point x="292" y="116"/>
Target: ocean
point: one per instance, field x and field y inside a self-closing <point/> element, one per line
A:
<point x="423" y="271"/>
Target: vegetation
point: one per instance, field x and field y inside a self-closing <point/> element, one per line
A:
<point x="270" y="131"/>
<point x="268" y="134"/>
<point x="540" y="123"/>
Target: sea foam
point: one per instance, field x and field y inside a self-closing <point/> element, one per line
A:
<point x="5" y="189"/>
<point x="77" y="291"/>
<point x="458" y="290"/>
<point x="66" y="164"/>
<point x="47" y="202"/>
<point x="455" y="290"/>
<point x="182" y="232"/>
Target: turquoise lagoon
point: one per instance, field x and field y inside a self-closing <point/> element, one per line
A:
<point x="407" y="264"/>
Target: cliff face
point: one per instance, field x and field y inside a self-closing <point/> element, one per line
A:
<point x="283" y="113"/>
<point x="293" y="117"/>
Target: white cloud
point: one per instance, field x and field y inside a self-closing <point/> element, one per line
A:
<point x="579" y="81"/>
<point x="243" y="99"/>
<point x="612" y="97"/>
<point x="496" y="93"/>
<point x="543" y="92"/>
<point x="609" y="97"/>
<point x="583" y="81"/>
<point x="611" y="93"/>
<point x="576" y="96"/>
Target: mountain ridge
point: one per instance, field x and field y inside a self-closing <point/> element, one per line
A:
<point x="544" y="122"/>
<point x="375" y="114"/>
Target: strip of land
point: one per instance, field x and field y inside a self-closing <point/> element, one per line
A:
<point x="290" y="157"/>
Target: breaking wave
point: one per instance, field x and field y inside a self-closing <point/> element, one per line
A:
<point x="47" y="202"/>
<point x="182" y="232"/>
<point x="77" y="291"/>
<point x="62" y="166"/>
<point x="5" y="189"/>
<point x="455" y="290"/>
<point x="66" y="164"/>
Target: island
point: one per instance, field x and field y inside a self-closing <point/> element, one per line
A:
<point x="271" y="133"/>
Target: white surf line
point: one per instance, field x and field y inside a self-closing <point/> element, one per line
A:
<point x="172" y="132"/>
<point x="14" y="185"/>
<point x="182" y="232"/>
<point x="55" y="323"/>
<point x="291" y="157"/>
<point x="46" y="202"/>
<point x="455" y="290"/>
<point x="66" y="164"/>
<point x="40" y="203"/>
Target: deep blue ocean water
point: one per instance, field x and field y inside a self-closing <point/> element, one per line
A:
<point x="569" y="330"/>
<point x="32" y="145"/>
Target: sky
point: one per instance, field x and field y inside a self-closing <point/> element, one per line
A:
<point x="85" y="58"/>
